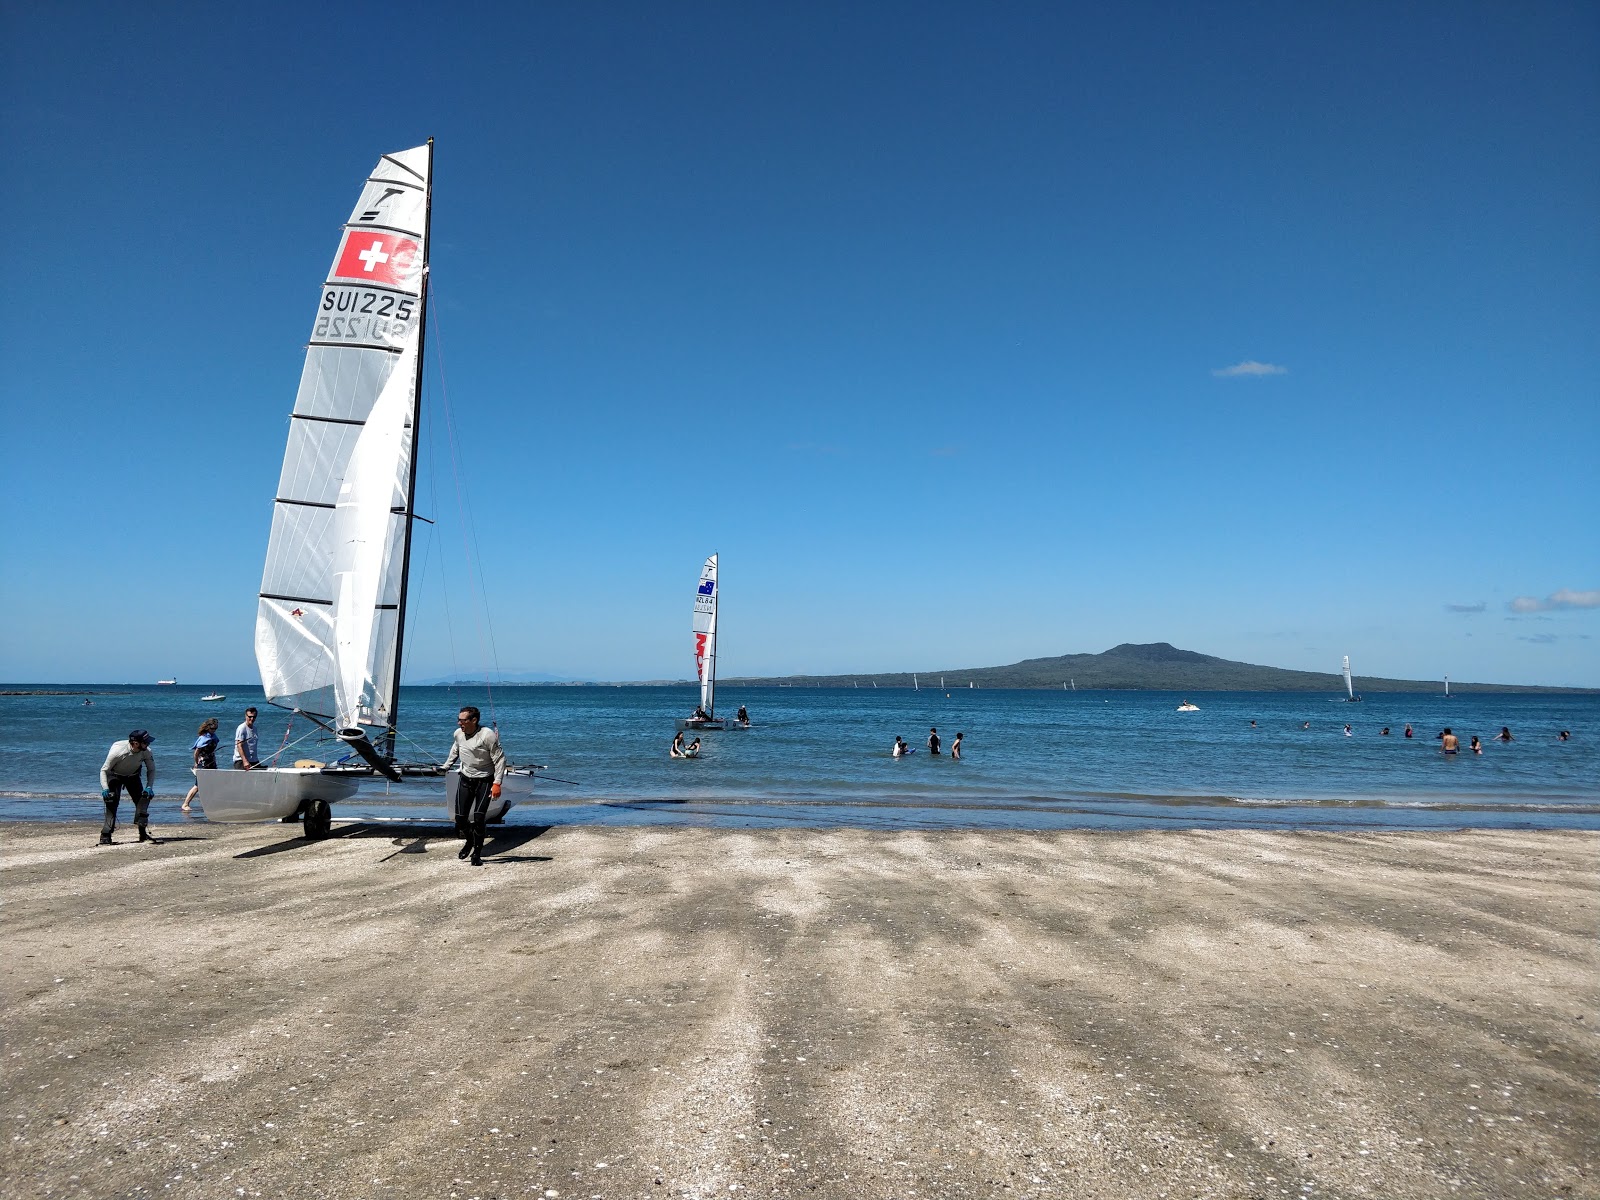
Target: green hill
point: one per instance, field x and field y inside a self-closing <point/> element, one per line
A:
<point x="1158" y="666"/>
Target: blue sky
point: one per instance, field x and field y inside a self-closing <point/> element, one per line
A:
<point x="928" y="317"/>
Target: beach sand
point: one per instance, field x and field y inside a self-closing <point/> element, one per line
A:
<point x="689" y="1012"/>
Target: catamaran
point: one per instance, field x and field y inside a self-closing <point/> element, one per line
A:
<point x="705" y="650"/>
<point x="1349" y="688"/>
<point x="330" y="617"/>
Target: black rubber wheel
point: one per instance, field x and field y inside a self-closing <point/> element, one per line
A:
<point x="318" y="820"/>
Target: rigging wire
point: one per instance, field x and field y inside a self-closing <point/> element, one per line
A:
<point x="469" y="532"/>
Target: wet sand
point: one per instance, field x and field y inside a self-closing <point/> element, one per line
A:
<point x="687" y="1012"/>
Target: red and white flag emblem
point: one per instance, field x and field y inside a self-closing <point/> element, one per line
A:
<point x="374" y="257"/>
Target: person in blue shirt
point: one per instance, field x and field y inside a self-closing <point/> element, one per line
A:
<point x="205" y="755"/>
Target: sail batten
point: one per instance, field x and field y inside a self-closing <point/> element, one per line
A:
<point x="342" y="503"/>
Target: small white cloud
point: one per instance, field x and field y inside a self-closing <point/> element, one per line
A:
<point x="1249" y="367"/>
<point x="1465" y="608"/>
<point x="1565" y="598"/>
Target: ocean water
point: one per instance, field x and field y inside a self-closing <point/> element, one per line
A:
<point x="820" y="757"/>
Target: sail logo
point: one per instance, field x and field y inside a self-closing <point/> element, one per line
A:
<point x="376" y="257"/>
<point x="708" y="587"/>
<point x="700" y="656"/>
<point x="373" y="213"/>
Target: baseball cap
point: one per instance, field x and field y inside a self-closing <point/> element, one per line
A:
<point x="141" y="735"/>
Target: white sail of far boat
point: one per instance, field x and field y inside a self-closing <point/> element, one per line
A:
<point x="705" y="649"/>
<point x="331" y="610"/>
<point x="1349" y="687"/>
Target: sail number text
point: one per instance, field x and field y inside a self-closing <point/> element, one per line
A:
<point x="360" y="315"/>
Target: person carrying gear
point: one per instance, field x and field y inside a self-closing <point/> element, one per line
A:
<point x="483" y="768"/>
<point x="121" y="772"/>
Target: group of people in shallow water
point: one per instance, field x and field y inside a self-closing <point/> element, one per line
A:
<point x="900" y="749"/>
<point x="1448" y="741"/>
<point x="679" y="750"/>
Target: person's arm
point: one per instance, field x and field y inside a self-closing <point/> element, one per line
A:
<point x="105" y="768"/>
<point x="240" y="751"/>
<point x="455" y="750"/>
<point x="149" y="769"/>
<point x="498" y="756"/>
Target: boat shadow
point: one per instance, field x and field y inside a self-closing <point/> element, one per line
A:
<point x="499" y="845"/>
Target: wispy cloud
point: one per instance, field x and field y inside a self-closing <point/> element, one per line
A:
<point x="1540" y="639"/>
<point x="1565" y="598"/>
<point x="1465" y="608"/>
<point x="1249" y="367"/>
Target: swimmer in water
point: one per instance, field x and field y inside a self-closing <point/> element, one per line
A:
<point x="955" y="746"/>
<point x="1504" y="735"/>
<point x="1408" y="728"/>
<point x="1347" y="732"/>
<point x="1449" y="742"/>
<point x="678" y="750"/>
<point x="1384" y="732"/>
<point x="900" y="747"/>
<point x="1477" y="746"/>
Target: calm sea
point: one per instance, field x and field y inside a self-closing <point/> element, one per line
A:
<point x="815" y="757"/>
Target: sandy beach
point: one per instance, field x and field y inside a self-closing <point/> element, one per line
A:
<point x="648" y="1013"/>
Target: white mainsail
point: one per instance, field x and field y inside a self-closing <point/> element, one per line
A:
<point x="705" y="635"/>
<point x="328" y="619"/>
<point x="1349" y="688"/>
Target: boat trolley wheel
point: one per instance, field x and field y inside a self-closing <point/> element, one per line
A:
<point x="318" y="820"/>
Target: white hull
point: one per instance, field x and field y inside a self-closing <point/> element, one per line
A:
<point x="268" y="793"/>
<point x="689" y="723"/>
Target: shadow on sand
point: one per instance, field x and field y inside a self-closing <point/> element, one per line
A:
<point x="420" y="839"/>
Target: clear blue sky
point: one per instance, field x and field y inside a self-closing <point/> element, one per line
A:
<point x="922" y="315"/>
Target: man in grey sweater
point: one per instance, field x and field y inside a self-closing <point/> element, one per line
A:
<point x="483" y="767"/>
<point x="121" y="771"/>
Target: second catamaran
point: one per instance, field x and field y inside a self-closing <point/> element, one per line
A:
<point x="705" y="650"/>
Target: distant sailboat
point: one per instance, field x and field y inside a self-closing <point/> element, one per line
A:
<point x="1447" y="687"/>
<point x="915" y="686"/>
<point x="1349" y="687"/>
<point x="705" y="650"/>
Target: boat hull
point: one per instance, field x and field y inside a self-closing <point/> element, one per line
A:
<point x="513" y="788"/>
<point x="688" y="723"/>
<point x="268" y="793"/>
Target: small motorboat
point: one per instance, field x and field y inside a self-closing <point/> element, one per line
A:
<point x="1187" y="707"/>
<point x="214" y="696"/>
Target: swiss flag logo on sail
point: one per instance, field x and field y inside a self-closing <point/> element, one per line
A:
<point x="375" y="257"/>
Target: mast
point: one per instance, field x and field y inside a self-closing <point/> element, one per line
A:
<point x="411" y="482"/>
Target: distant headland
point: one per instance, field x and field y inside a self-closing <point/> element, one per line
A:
<point x="1154" y="666"/>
